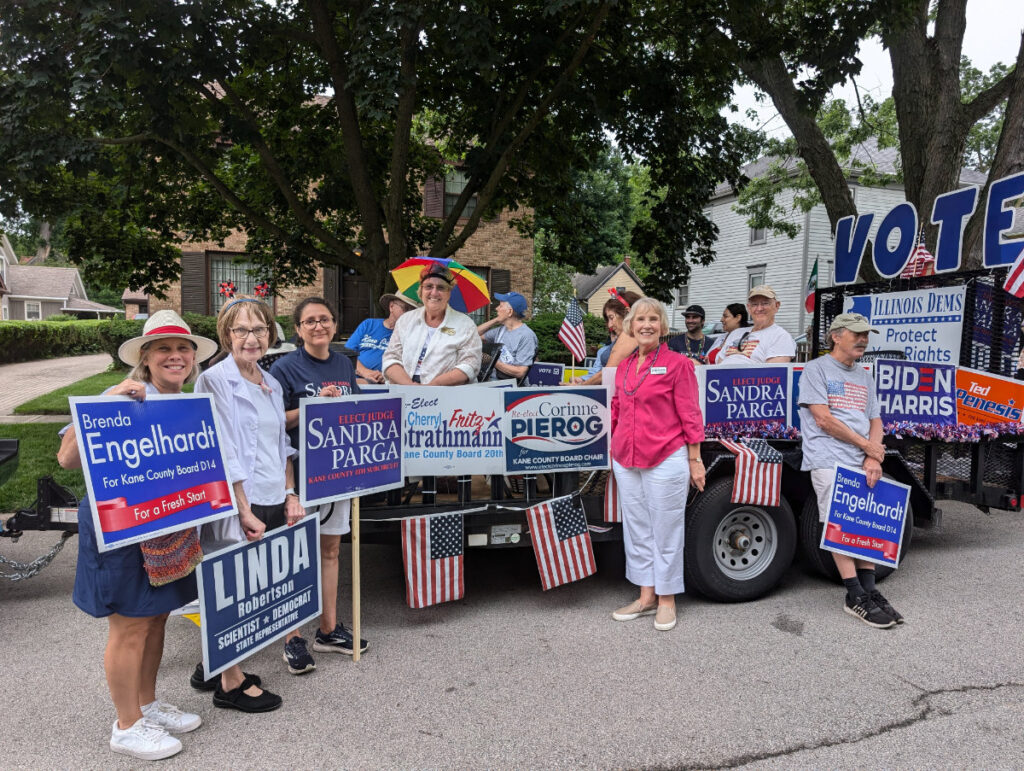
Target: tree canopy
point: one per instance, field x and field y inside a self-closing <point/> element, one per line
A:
<point x="314" y="125"/>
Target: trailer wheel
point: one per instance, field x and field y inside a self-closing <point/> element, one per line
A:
<point x="819" y="560"/>
<point x="736" y="552"/>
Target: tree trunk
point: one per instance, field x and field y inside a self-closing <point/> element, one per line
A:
<point x="1009" y="159"/>
<point x="771" y="76"/>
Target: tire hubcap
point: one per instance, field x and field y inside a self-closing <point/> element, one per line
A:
<point x="745" y="543"/>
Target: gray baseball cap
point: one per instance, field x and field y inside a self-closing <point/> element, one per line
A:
<point x="854" y="322"/>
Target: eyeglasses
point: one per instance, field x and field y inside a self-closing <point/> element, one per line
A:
<point x="243" y="332"/>
<point x="313" y="323"/>
<point x="761" y="304"/>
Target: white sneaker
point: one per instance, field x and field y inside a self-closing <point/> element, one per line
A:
<point x="144" y="740"/>
<point x="170" y="718"/>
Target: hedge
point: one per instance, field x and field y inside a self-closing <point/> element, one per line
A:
<point x="550" y="348"/>
<point x="30" y="340"/>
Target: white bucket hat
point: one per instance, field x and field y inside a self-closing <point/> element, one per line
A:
<point x="165" y="323"/>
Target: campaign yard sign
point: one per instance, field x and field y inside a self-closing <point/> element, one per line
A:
<point x="745" y="394"/>
<point x="151" y="467"/>
<point x="926" y="324"/>
<point x="452" y="431"/>
<point x="866" y="522"/>
<point x="349" y="446"/>
<point x="543" y="373"/>
<point x="913" y="392"/>
<point x="251" y="594"/>
<point x="556" y="429"/>
<point x="985" y="398"/>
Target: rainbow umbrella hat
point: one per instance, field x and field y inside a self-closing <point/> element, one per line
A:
<point x="468" y="294"/>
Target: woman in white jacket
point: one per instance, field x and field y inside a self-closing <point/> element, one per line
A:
<point x="250" y="408"/>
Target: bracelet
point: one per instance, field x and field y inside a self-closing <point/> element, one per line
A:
<point x="696" y="460"/>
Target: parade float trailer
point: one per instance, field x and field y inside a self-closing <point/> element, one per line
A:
<point x="943" y="365"/>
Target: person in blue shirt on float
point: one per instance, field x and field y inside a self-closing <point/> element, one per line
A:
<point x="372" y="336"/>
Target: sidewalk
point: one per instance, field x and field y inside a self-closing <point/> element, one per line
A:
<point x="29" y="379"/>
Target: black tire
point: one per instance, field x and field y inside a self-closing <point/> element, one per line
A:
<point x="820" y="561"/>
<point x="738" y="573"/>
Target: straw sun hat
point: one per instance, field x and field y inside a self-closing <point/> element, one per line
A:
<point x="162" y="324"/>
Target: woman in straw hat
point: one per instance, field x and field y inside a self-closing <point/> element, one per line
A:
<point x="115" y="584"/>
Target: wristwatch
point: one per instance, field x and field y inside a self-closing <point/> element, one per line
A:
<point x="290" y="491"/>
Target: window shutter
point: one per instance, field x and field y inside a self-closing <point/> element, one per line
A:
<point x="194" y="282"/>
<point x="501" y="281"/>
<point x="433" y="197"/>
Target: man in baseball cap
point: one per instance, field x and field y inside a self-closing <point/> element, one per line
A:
<point x="840" y="420"/>
<point x="763" y="343"/>
<point x="694" y="344"/>
<point x="518" y="341"/>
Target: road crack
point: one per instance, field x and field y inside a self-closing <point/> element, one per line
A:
<point x="922" y="709"/>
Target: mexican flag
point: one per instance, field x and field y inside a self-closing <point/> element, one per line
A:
<point x="812" y="287"/>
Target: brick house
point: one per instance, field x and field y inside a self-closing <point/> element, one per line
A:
<point x="495" y="251"/>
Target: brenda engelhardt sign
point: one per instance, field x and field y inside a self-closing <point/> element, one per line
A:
<point x="560" y="429"/>
<point x="866" y="522"/>
<point x="350" y="446"/>
<point x="151" y="467"/>
<point x="251" y="594"/>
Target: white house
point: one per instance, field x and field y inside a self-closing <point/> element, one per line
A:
<point x="747" y="256"/>
<point x="36" y="292"/>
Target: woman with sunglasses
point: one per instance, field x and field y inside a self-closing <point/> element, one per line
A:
<point x="313" y="369"/>
<point x="250" y="409"/>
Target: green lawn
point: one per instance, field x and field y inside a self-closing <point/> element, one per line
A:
<point x="56" y="402"/>
<point x="37" y="457"/>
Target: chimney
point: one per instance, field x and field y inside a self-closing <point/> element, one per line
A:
<point x="627" y="260"/>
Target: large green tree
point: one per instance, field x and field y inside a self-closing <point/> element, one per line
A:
<point x="315" y="124"/>
<point x="936" y="103"/>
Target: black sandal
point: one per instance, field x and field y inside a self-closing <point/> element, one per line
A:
<point x="197" y="681"/>
<point x="238" y="699"/>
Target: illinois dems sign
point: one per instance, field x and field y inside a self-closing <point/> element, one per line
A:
<point x="560" y="429"/>
<point x="151" y="467"/>
<point x="251" y="594"/>
<point x="925" y="324"/>
<point x="350" y="445"/>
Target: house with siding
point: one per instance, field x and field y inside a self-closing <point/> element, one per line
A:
<point x="33" y="292"/>
<point x="592" y="291"/>
<point x="749" y="256"/>
<point x="496" y="251"/>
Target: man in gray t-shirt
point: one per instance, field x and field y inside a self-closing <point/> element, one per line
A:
<point x="841" y="423"/>
<point x="518" y="341"/>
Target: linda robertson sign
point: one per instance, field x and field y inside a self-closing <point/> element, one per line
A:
<point x="151" y="467"/>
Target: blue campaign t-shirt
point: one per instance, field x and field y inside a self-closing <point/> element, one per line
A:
<point x="302" y="376"/>
<point x="371" y="339"/>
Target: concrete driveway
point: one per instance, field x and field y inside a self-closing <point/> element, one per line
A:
<point x="29" y="379"/>
<point x="513" y="677"/>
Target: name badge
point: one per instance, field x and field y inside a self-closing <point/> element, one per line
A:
<point x="659" y="370"/>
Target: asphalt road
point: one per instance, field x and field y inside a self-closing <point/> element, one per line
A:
<point x="515" y="677"/>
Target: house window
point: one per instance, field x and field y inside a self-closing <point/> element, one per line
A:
<point x="229" y="268"/>
<point x="755" y="276"/>
<point x="454" y="184"/>
<point x="5" y="313"/>
<point x="683" y="296"/>
<point x="33" y="310"/>
<point x="758" y="236"/>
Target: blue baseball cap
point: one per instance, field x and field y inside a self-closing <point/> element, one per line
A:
<point x="516" y="300"/>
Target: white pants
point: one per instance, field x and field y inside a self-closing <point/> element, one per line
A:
<point x="336" y="521"/>
<point x="653" y="504"/>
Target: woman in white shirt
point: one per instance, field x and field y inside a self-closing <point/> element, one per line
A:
<point x="435" y="344"/>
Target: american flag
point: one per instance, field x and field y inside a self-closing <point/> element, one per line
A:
<point x="758" y="478"/>
<point x="846" y="396"/>
<point x="1014" y="283"/>
<point x="561" y="541"/>
<point x="571" y="333"/>
<point x="611" y="499"/>
<point x="432" y="554"/>
<point x="921" y="263"/>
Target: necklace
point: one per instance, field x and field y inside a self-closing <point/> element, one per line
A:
<point x="630" y="369"/>
<point x="690" y="350"/>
